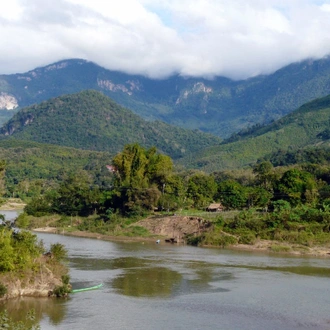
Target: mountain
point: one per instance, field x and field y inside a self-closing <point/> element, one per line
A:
<point x="92" y="121"/>
<point x="219" y="106"/>
<point x="308" y="128"/>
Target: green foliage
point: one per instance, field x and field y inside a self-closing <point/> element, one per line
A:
<point x="188" y="102"/>
<point x="90" y="120"/>
<point x="218" y="238"/>
<point x="201" y="189"/>
<point x="33" y="168"/>
<point x="232" y="194"/>
<point x="18" y="251"/>
<point x="291" y="134"/>
<point x="22" y="221"/>
<point x="28" y="324"/>
<point x="280" y="248"/>
<point x="7" y="253"/>
<point x="76" y="196"/>
<point x="58" y="252"/>
<point x="297" y="186"/>
<point x="3" y="290"/>
<point x="247" y="238"/>
<point x="62" y="291"/>
<point x="140" y="178"/>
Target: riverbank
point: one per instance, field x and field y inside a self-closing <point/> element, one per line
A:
<point x="12" y="204"/>
<point x="42" y="281"/>
<point x="259" y="246"/>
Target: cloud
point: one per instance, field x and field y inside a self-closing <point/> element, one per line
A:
<point x="157" y="38"/>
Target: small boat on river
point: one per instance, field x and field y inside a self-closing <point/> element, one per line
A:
<point x="95" y="287"/>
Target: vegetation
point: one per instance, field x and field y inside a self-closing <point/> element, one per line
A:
<point x="23" y="257"/>
<point x="289" y="204"/>
<point x="140" y="180"/>
<point x="31" y="169"/>
<point x="91" y="121"/>
<point x="28" y="324"/>
<point x="19" y="251"/>
<point x="220" y="106"/>
<point x="295" y="134"/>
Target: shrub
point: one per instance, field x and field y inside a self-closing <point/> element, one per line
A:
<point x="22" y="221"/>
<point x="65" y="279"/>
<point x="247" y="238"/>
<point x="58" y="251"/>
<point x="280" y="248"/>
<point x="219" y="238"/>
<point x="3" y="290"/>
<point x="194" y="240"/>
<point x="62" y="291"/>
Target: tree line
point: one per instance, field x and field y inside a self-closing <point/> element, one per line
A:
<point x="143" y="180"/>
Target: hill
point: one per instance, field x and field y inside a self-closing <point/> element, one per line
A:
<point x="307" y="127"/>
<point x="90" y="120"/>
<point x="220" y="106"/>
<point x="28" y="161"/>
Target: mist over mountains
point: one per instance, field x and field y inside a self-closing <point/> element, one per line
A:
<point x="220" y="106"/>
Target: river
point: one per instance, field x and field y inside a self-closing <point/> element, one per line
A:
<point x="163" y="286"/>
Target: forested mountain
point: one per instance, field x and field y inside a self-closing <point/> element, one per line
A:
<point x="220" y="106"/>
<point x="92" y="121"/>
<point x="32" y="167"/>
<point x="307" y="127"/>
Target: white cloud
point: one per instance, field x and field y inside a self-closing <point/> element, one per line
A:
<point x="234" y="38"/>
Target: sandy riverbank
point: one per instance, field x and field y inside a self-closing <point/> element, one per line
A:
<point x="13" y="204"/>
<point x="54" y="230"/>
<point x="259" y="246"/>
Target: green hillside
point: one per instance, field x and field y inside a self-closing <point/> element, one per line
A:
<point x="308" y="126"/>
<point x="219" y="106"/>
<point x="91" y="121"/>
<point x="26" y="160"/>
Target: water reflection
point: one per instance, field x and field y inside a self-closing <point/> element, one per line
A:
<point x="102" y="264"/>
<point x="162" y="282"/>
<point x="54" y="309"/>
<point x="148" y="286"/>
<point x="146" y="282"/>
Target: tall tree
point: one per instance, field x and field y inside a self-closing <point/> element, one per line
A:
<point x="140" y="177"/>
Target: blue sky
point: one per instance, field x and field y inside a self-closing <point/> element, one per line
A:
<point x="233" y="38"/>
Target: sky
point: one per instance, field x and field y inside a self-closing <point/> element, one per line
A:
<point x="158" y="38"/>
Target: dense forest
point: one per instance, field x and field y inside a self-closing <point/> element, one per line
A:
<point x="287" y="203"/>
<point x="91" y="121"/>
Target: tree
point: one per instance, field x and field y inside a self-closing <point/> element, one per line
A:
<point x="201" y="189"/>
<point x="297" y="187"/>
<point x="264" y="175"/>
<point x="140" y="176"/>
<point x="76" y="195"/>
<point x="2" y="177"/>
<point x="232" y="194"/>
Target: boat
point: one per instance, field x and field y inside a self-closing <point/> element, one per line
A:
<point x="95" y="287"/>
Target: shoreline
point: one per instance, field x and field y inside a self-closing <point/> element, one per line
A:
<point x="13" y="204"/>
<point x="273" y="247"/>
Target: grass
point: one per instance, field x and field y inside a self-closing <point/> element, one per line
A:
<point x="280" y="248"/>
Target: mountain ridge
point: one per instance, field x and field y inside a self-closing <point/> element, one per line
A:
<point x="306" y="127"/>
<point x="92" y="121"/>
<point x="220" y="106"/>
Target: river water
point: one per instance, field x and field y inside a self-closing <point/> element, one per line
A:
<point x="162" y="286"/>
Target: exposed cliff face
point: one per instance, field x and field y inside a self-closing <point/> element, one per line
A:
<point x="174" y="227"/>
<point x="131" y="85"/>
<point x="40" y="283"/>
<point x="8" y="102"/>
